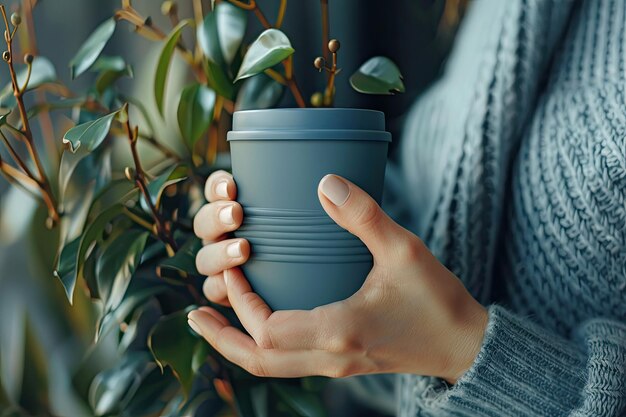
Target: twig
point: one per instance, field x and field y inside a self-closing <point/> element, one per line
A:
<point x="26" y="131"/>
<point x="246" y="6"/>
<point x="276" y="76"/>
<point x="15" y="156"/>
<point x="15" y="175"/>
<point x="325" y="28"/>
<point x="281" y="14"/>
<point x="140" y="180"/>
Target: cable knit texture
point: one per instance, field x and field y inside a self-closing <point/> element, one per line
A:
<point x="516" y="162"/>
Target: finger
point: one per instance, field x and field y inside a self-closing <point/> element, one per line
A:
<point x="286" y="329"/>
<point x="216" y="257"/>
<point x="219" y="316"/>
<point x="354" y="210"/>
<point x="215" y="219"/>
<point x="214" y="289"/>
<point x="250" y="308"/>
<point x="220" y="186"/>
<point x="242" y="350"/>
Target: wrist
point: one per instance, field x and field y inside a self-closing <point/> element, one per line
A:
<point x="466" y="341"/>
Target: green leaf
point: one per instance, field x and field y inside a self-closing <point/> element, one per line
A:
<point x="259" y="92"/>
<point x="173" y="344"/>
<point x="304" y="403"/>
<point x="67" y="166"/>
<point x="270" y="48"/>
<point x="91" y="48"/>
<point x="42" y="72"/>
<point x="174" y="174"/>
<point x="108" y="63"/>
<point x="163" y="64"/>
<point x="148" y="400"/>
<point x="221" y="33"/>
<point x="185" y="259"/>
<point x="378" y="75"/>
<point x="91" y="134"/>
<point x="117" y="264"/>
<point x="195" y="112"/>
<point x="111" y="68"/>
<point x="200" y="353"/>
<point x="92" y="233"/>
<point x="218" y="80"/>
<point x="133" y="298"/>
<point x="66" y="267"/>
<point x="231" y="28"/>
<point x="113" y="388"/>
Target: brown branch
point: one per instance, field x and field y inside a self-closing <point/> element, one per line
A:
<point x="18" y="160"/>
<point x="42" y="181"/>
<point x="325" y="29"/>
<point x="163" y="231"/>
<point x="246" y="6"/>
<point x="281" y="14"/>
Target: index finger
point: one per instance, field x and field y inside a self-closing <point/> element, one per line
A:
<point x="220" y="186"/>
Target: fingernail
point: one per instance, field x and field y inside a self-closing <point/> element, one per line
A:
<point x="335" y="189"/>
<point x="234" y="250"/>
<point x="222" y="189"/>
<point x="226" y="276"/>
<point x="194" y="326"/>
<point x="226" y="215"/>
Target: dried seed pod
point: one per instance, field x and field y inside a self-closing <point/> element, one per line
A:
<point x="6" y="56"/>
<point x="168" y="7"/>
<point x="28" y="59"/>
<point x="16" y="19"/>
<point x="333" y="45"/>
<point x="319" y="63"/>
<point x="50" y="223"/>
<point x="317" y="99"/>
<point x="129" y="173"/>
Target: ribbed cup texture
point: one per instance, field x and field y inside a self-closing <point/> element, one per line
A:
<point x="282" y="235"/>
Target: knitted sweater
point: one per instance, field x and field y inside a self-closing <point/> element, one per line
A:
<point x="515" y="162"/>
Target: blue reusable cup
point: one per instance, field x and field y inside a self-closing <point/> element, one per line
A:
<point x="300" y="258"/>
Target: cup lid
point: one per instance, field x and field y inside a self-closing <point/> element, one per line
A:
<point x="308" y="123"/>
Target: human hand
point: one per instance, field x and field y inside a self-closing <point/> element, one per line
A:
<point x="411" y="315"/>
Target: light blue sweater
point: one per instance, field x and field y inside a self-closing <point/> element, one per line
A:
<point x="515" y="166"/>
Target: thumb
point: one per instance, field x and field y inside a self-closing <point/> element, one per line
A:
<point x="354" y="210"/>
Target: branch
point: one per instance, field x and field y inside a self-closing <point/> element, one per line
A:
<point x="162" y="230"/>
<point x="26" y="131"/>
<point x="325" y="28"/>
<point x="281" y="14"/>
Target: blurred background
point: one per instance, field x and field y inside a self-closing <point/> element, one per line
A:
<point x="44" y="340"/>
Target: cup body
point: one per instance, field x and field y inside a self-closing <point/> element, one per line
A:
<point x="300" y="258"/>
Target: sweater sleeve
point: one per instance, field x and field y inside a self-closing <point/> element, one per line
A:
<point x="522" y="370"/>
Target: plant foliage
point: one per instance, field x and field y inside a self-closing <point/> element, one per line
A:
<point x="125" y="244"/>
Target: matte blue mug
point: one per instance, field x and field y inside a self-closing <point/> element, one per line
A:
<point x="300" y="258"/>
